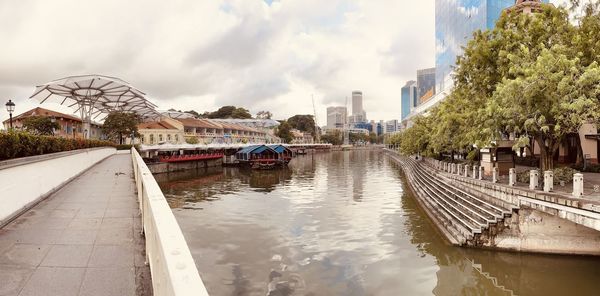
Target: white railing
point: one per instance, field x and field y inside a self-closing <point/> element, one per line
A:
<point x="171" y="264"/>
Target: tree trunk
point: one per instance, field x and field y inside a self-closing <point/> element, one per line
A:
<point x="548" y="148"/>
<point x="579" y="150"/>
<point x="120" y="139"/>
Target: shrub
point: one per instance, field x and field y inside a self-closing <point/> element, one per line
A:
<point x="560" y="174"/>
<point x="15" y="144"/>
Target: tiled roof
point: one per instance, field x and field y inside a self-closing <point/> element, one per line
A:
<point x="38" y="111"/>
<point x="155" y="125"/>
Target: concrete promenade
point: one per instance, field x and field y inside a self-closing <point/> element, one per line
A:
<point x="82" y="240"/>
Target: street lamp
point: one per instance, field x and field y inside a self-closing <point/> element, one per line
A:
<point x="10" y="107"/>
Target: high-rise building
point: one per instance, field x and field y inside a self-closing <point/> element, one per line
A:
<point x="358" y="113"/>
<point x="408" y="98"/>
<point x="391" y="126"/>
<point x="455" y="22"/>
<point x="425" y="85"/>
<point x="336" y="117"/>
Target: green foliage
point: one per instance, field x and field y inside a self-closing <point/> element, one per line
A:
<point x="228" y="112"/>
<point x="264" y="115"/>
<point x="333" y="137"/>
<point x="564" y="174"/>
<point x="304" y="123"/>
<point x="535" y="76"/>
<point x="118" y="125"/>
<point x="15" y="144"/>
<point x="40" y="125"/>
<point x="191" y="140"/>
<point x="284" y="132"/>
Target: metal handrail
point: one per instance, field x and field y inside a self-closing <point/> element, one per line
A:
<point x="172" y="267"/>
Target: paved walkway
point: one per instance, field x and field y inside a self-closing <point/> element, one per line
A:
<point x="83" y="240"/>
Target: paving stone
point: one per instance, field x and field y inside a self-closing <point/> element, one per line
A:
<point x="117" y="223"/>
<point x="68" y="256"/>
<point x="33" y="235"/>
<point x="85" y="224"/>
<point x="108" y="282"/>
<point x="77" y="237"/>
<point x="90" y="213"/>
<point x="24" y="255"/>
<point x="112" y="256"/>
<point x="114" y="236"/>
<point x="119" y="213"/>
<point x="13" y="280"/>
<point x="63" y="213"/>
<point x="50" y="281"/>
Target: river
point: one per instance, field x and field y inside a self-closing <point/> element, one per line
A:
<point x="340" y="223"/>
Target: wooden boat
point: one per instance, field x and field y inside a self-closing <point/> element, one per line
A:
<point x="258" y="157"/>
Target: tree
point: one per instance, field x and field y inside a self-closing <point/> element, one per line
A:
<point x="40" y="125"/>
<point x="305" y="123"/>
<point x="191" y="140"/>
<point x="333" y="137"/>
<point x="264" y="115"/>
<point x="284" y="131"/>
<point x="228" y="112"/>
<point x="118" y="125"/>
<point x="196" y="114"/>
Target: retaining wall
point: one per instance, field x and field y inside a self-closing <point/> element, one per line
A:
<point x="26" y="181"/>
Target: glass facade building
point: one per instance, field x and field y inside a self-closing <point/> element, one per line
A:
<point x="455" y="22"/>
<point x="425" y="83"/>
<point x="408" y="98"/>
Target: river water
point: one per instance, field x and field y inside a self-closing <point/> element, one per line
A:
<point x="340" y="223"/>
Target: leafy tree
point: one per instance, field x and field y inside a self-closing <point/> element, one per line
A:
<point x="196" y="114"/>
<point x="118" y="125"/>
<point x="264" y="115"/>
<point x="333" y="137"/>
<point x="228" y="112"/>
<point x="191" y="140"/>
<point x="305" y="123"/>
<point x="284" y="131"/>
<point x="40" y="125"/>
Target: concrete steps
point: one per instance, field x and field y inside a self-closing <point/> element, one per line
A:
<point x="463" y="215"/>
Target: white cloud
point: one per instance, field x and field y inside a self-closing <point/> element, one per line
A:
<point x="203" y="54"/>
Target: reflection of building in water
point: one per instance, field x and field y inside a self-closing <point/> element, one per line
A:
<point x="265" y="180"/>
<point x="359" y="171"/>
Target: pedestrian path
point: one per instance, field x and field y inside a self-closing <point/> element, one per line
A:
<point x="83" y="240"/>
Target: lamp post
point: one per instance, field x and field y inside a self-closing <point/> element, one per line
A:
<point x="10" y="107"/>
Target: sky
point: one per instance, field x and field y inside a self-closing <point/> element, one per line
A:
<point x="273" y="55"/>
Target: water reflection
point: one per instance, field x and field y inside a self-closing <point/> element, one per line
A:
<point x="340" y="224"/>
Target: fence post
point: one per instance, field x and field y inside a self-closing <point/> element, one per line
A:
<point x="495" y="175"/>
<point x="548" y="181"/>
<point x="578" y="185"/>
<point x="533" y="179"/>
<point x="466" y="173"/>
<point x="481" y="171"/>
<point x="512" y="177"/>
<point x="474" y="172"/>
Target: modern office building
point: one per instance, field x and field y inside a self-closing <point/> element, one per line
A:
<point x="425" y="85"/>
<point x="408" y="98"/>
<point x="358" y="113"/>
<point x="336" y="117"/>
<point x="455" y="22"/>
<point x="391" y="126"/>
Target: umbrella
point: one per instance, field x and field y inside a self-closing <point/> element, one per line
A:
<point x="95" y="96"/>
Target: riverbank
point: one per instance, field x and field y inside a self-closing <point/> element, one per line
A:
<point x="464" y="215"/>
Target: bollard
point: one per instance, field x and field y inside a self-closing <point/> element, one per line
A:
<point x="458" y="168"/>
<point x="454" y="166"/>
<point x="466" y="172"/>
<point x="577" y="185"/>
<point x="481" y="171"/>
<point x="495" y="175"/>
<point x="548" y="181"/>
<point x="474" y="172"/>
<point x="533" y="179"/>
<point x="445" y="166"/>
<point x="512" y="177"/>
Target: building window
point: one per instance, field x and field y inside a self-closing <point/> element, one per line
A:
<point x="151" y="139"/>
<point x="169" y="137"/>
<point x="160" y="138"/>
<point x="176" y="138"/>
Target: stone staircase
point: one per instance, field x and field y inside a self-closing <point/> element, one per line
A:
<point x="464" y="218"/>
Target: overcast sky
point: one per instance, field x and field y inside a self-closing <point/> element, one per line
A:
<point x="200" y="55"/>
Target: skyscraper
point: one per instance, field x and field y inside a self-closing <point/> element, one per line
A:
<point x="455" y="22"/>
<point x="358" y="113"/>
<point x="336" y="117"/>
<point x="425" y="84"/>
<point x="409" y="96"/>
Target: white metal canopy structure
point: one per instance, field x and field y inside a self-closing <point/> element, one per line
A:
<point x="95" y="96"/>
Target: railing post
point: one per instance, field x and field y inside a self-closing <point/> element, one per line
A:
<point x="578" y="185"/>
<point x="481" y="171"/>
<point x="495" y="175"/>
<point x="548" y="181"/>
<point x="474" y="175"/>
<point x="512" y="177"/>
<point x="466" y="170"/>
<point x="458" y="169"/>
<point x="533" y="179"/>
